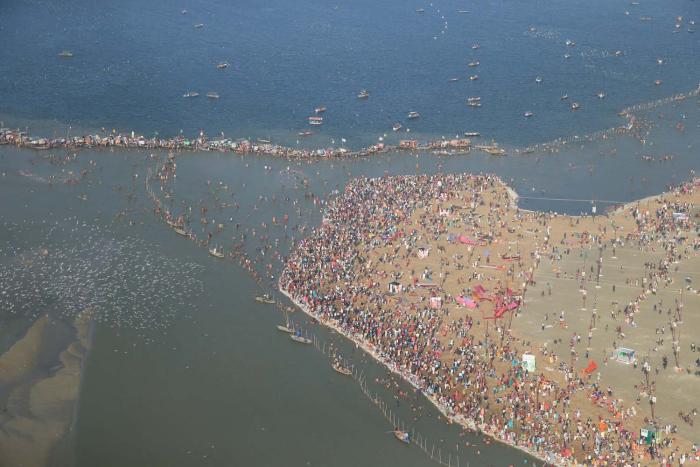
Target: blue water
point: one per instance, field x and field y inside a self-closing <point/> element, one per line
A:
<point x="134" y="60"/>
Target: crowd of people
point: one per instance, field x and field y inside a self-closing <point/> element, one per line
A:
<point x="477" y="378"/>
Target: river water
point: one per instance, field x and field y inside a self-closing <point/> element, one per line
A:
<point x="185" y="367"/>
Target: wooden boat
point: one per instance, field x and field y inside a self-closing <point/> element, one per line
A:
<point x="66" y="54"/>
<point x="216" y="253"/>
<point x="265" y="298"/>
<point x="285" y="328"/>
<point x="181" y="232"/>
<point x="300" y="339"/>
<point x="402" y="436"/>
<point x="341" y="369"/>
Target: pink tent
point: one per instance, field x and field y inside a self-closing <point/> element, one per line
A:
<point x="468" y="302"/>
<point x="466" y="240"/>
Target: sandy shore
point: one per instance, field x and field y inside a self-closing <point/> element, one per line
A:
<point x="465" y="422"/>
<point x="41" y="403"/>
<point x="531" y="237"/>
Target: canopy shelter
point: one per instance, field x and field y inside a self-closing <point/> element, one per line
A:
<point x="625" y="355"/>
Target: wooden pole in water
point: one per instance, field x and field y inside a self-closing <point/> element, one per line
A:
<point x="440" y="455"/>
<point x="449" y="461"/>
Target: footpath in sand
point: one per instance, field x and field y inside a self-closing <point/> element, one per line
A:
<point x="454" y="285"/>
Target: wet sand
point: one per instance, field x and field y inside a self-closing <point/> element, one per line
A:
<point x="40" y="403"/>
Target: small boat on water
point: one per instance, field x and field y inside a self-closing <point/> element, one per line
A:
<point x="476" y="46"/>
<point x="319" y="110"/>
<point x="216" y="252"/>
<point x="454" y="80"/>
<point x="66" y="54"/>
<point x="528" y="114"/>
<point x="363" y="94"/>
<point x="285" y="328"/>
<point x="538" y="79"/>
<point x="493" y="150"/>
<point x="213" y="95"/>
<point x="473" y="77"/>
<point x="191" y="94"/>
<point x="570" y="43"/>
<point x="461" y="12"/>
<point x="601" y="95"/>
<point x="397" y="126"/>
<point x="297" y="337"/>
<point x="341" y="369"/>
<point x="264" y="141"/>
<point x="180" y="231"/>
<point x="567" y="55"/>
<point x="564" y="97"/>
<point x="413" y="115"/>
<point x="265" y="298"/>
<point x="472" y="134"/>
<point x="473" y="64"/>
<point x="575" y="106"/>
<point x="402" y="436"/>
<point x="305" y="133"/>
<point x="420" y="10"/>
<point x="199" y="25"/>
<point x="222" y="66"/>
<point x="316" y="121"/>
<point x="657" y="82"/>
<point x="474" y="101"/>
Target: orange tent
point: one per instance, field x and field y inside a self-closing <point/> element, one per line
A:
<point x="592" y="366"/>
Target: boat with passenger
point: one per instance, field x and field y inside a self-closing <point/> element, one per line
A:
<point x="199" y="25"/>
<point x="265" y="298"/>
<point x="363" y="94"/>
<point x="191" y="94"/>
<point x="473" y="64"/>
<point x="397" y="126"/>
<point x="402" y="436"/>
<point x="213" y="95"/>
<point x="472" y="134"/>
<point x="287" y="327"/>
<point x="413" y="115"/>
<point x="66" y="54"/>
<point x="338" y="367"/>
<point x="297" y="337"/>
<point x="216" y="252"/>
<point x="181" y="232"/>
<point x="305" y="133"/>
<point x="473" y="77"/>
<point x="493" y="150"/>
<point x="316" y="121"/>
<point x="222" y="66"/>
<point x="575" y="106"/>
<point x="319" y="110"/>
<point x="528" y="114"/>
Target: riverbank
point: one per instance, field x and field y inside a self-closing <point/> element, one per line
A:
<point x="368" y="348"/>
<point x="340" y="275"/>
